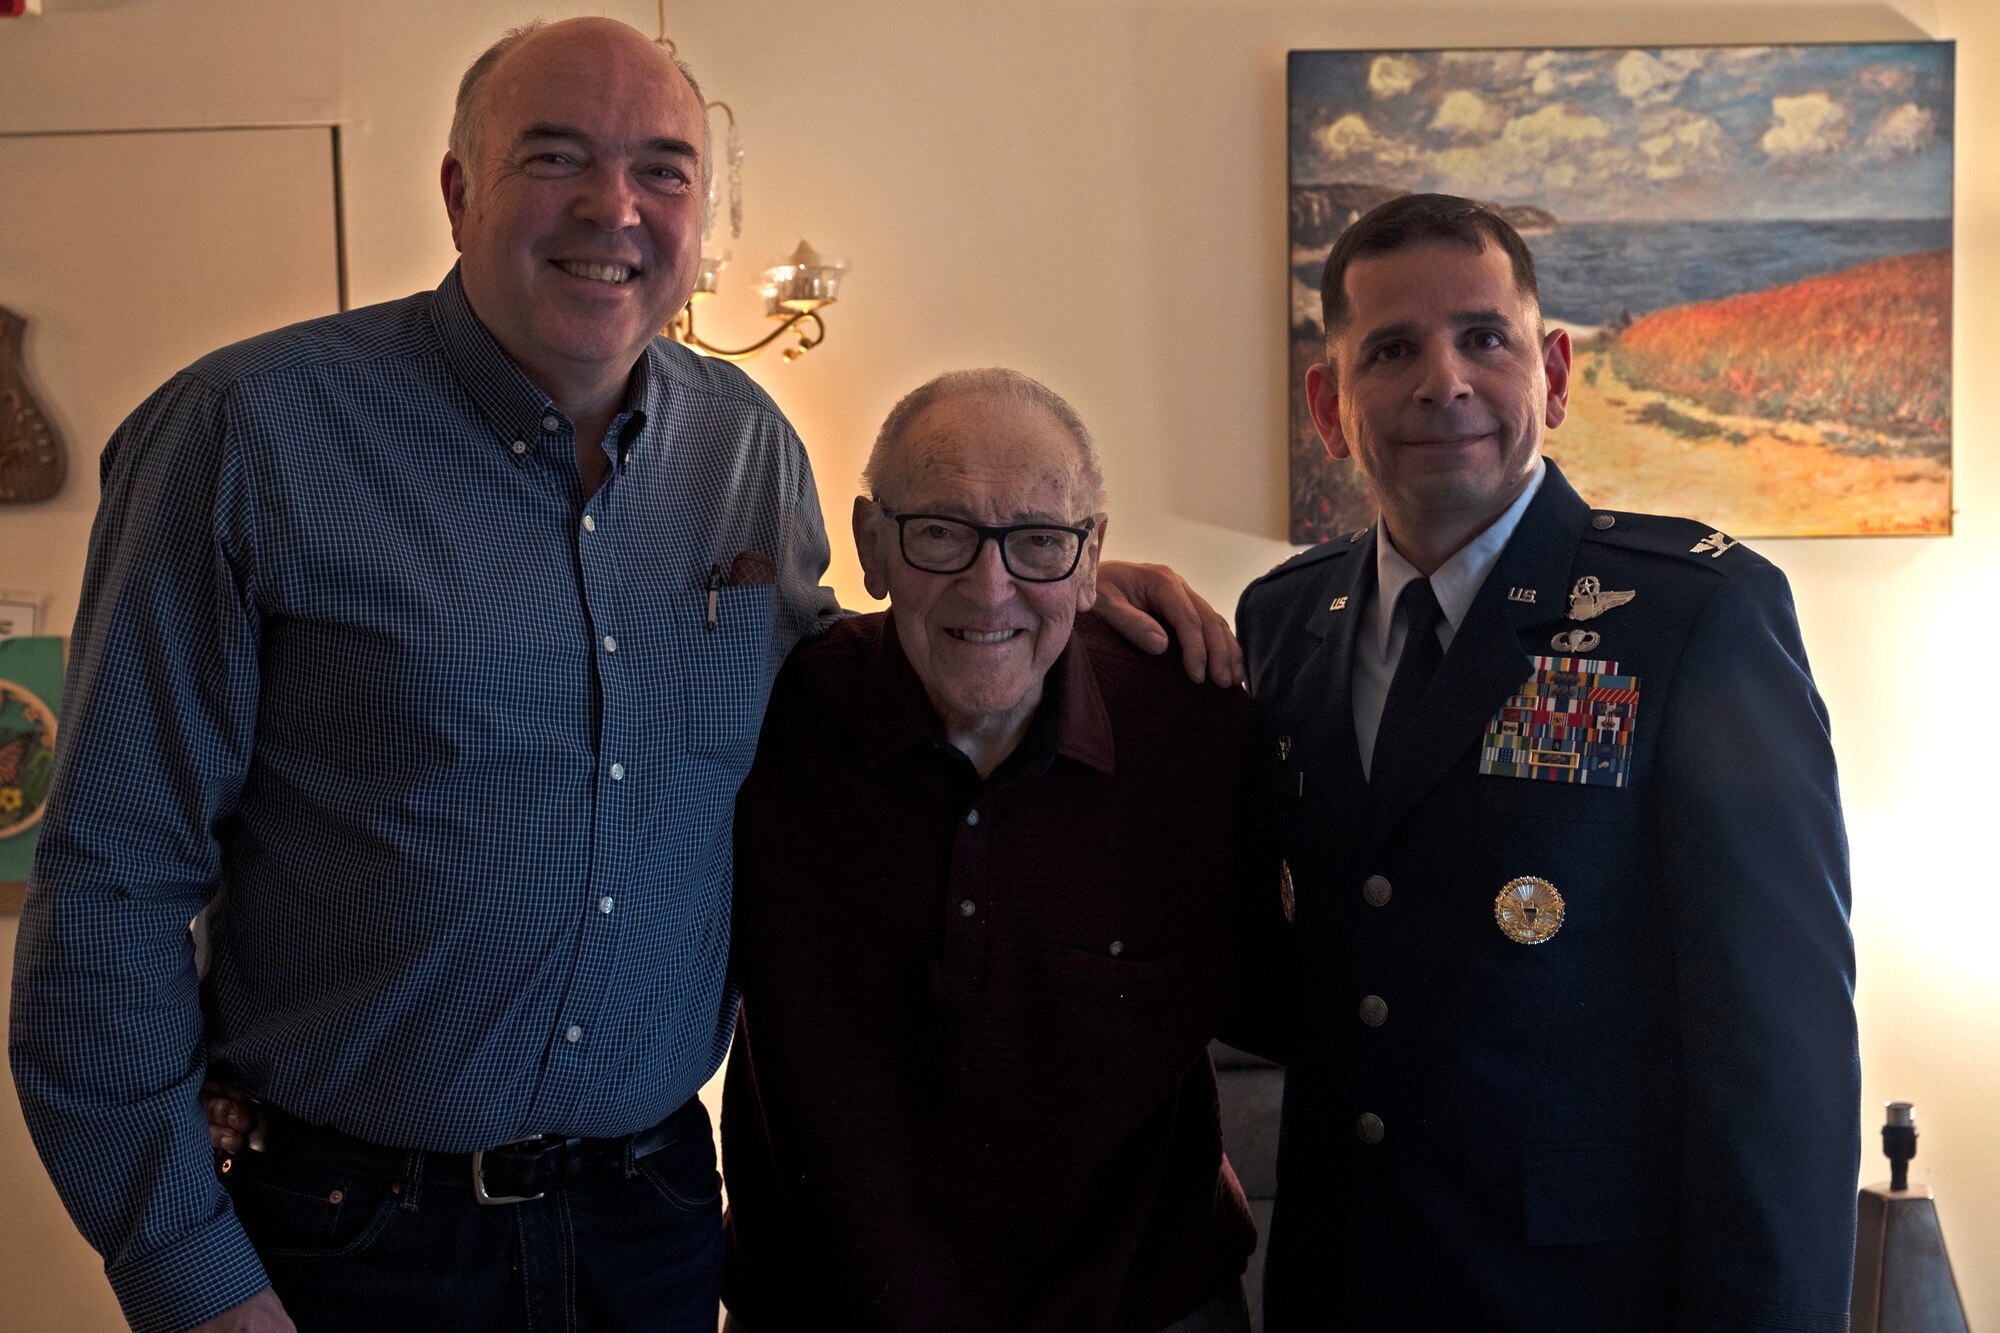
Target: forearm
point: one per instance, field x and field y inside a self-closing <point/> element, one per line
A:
<point x="105" y="1057"/>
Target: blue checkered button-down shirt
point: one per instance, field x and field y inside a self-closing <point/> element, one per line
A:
<point x="444" y="754"/>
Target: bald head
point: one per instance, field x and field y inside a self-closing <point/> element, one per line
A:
<point x="469" y="113"/>
<point x="902" y="451"/>
<point x="578" y="206"/>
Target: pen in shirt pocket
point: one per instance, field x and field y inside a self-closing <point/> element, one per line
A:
<point x="714" y="590"/>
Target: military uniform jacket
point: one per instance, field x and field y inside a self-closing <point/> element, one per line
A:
<point x="1647" y="1120"/>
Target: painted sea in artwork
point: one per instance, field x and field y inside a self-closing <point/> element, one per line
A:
<point x="1751" y="248"/>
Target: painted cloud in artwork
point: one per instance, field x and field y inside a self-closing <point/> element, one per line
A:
<point x="1858" y="131"/>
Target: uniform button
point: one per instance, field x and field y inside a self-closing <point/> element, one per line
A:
<point x="618" y="772"/>
<point x="551" y="422"/>
<point x="575" y="1033"/>
<point x="519" y="447"/>
<point x="1117" y="947"/>
<point x="606" y="903"/>
<point x="972" y="818"/>
<point x="610" y="644"/>
<point x="1374" y="1010"/>
<point x="1368" y="1125"/>
<point x="589" y="523"/>
<point x="1603" y="521"/>
<point x="966" y="907"/>
<point x="1375" y="891"/>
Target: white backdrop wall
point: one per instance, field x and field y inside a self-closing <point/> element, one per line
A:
<point x="1093" y="191"/>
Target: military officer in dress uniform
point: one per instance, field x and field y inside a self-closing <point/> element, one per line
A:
<point x="1566" y="982"/>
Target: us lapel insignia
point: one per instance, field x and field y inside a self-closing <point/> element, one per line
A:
<point x="1576" y="642"/>
<point x="1521" y="595"/>
<point x="1287" y="898"/>
<point x="1712" y="546"/>
<point x="1528" y="910"/>
<point x="1339" y="604"/>
<point x="1588" y="600"/>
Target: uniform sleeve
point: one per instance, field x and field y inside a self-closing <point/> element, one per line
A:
<point x="1262" y="1018"/>
<point x="160" y="708"/>
<point x="1754" y="854"/>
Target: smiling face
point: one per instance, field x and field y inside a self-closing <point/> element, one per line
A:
<point x="981" y="640"/>
<point x="580" y="222"/>
<point x="1440" y="387"/>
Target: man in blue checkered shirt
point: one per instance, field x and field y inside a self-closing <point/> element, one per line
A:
<point x="421" y="652"/>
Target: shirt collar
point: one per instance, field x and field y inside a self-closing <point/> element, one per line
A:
<point x="896" y="713"/>
<point x="505" y="396"/>
<point x="1455" y="582"/>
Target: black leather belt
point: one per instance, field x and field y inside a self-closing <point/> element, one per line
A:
<point x="511" y="1173"/>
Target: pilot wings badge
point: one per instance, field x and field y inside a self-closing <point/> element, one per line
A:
<point x="1588" y="600"/>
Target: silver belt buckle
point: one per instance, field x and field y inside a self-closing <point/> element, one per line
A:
<point x="479" y="1184"/>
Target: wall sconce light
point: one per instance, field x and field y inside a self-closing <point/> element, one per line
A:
<point x="795" y="289"/>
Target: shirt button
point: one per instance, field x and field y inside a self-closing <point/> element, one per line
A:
<point x="618" y="772"/>
<point x="1117" y="947"/>
<point x="1368" y="1125"/>
<point x="1375" y="891"/>
<point x="610" y="644"/>
<point x="574" y="1033"/>
<point x="1374" y="1010"/>
<point x="551" y="422"/>
<point x="589" y="523"/>
<point x="519" y="447"/>
<point x="606" y="903"/>
<point x="1603" y="522"/>
<point x="966" y="907"/>
<point x="972" y="818"/>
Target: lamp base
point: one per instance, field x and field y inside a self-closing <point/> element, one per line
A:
<point x="1902" y="1277"/>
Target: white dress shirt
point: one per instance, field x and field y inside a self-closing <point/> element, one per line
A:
<point x="1456" y="582"/>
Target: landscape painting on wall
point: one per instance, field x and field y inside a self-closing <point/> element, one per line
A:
<point x="1749" y="246"/>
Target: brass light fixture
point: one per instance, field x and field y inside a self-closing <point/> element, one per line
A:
<point x="795" y="289"/>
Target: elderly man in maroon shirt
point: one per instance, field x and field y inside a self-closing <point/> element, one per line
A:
<point x="985" y="920"/>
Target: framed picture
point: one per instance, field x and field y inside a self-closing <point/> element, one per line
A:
<point x="31" y="672"/>
<point x="1750" y="248"/>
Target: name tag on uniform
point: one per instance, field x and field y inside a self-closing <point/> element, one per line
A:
<point x="1571" y="721"/>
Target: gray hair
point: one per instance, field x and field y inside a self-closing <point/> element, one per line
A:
<point x="468" y="116"/>
<point x="991" y="382"/>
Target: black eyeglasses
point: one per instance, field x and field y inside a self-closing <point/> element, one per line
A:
<point x="1032" y="552"/>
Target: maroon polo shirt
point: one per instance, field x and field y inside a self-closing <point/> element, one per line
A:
<point x="970" y="1088"/>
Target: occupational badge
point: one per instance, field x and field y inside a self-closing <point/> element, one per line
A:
<point x="1287" y="897"/>
<point x="1571" y="721"/>
<point x="1712" y="546"/>
<point x="1588" y="600"/>
<point x="1529" y="910"/>
<point x="1576" y="642"/>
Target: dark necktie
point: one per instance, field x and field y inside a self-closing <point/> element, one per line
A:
<point x="1414" y="669"/>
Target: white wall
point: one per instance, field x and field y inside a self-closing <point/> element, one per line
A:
<point x="1093" y="190"/>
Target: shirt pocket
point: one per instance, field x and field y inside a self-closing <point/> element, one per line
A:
<point x="726" y="672"/>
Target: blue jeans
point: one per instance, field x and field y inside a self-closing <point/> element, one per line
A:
<point x="637" y="1250"/>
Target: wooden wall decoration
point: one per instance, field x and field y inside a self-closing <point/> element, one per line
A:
<point x="32" y="461"/>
